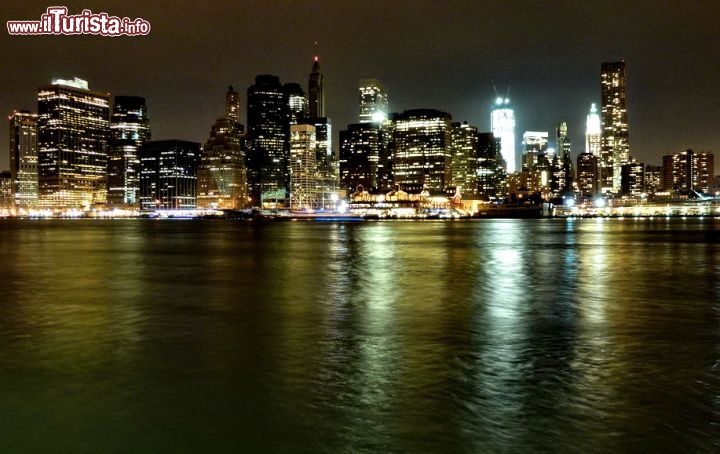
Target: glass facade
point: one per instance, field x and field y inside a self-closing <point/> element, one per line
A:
<point x="129" y="130"/>
<point x="168" y="175"/>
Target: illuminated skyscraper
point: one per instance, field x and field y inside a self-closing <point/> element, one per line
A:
<point x="535" y="148"/>
<point x="464" y="158"/>
<point x="359" y="156"/>
<point x="305" y="185"/>
<point x="422" y="150"/>
<point x="168" y="174"/>
<point x="633" y="178"/>
<point x="232" y="105"/>
<point x="316" y="93"/>
<point x="615" y="142"/>
<point x="502" y="123"/>
<point x="373" y="101"/>
<point x="129" y="129"/>
<point x="221" y="172"/>
<point x="72" y="144"/>
<point x="592" y="132"/>
<point x="587" y="174"/>
<point x="24" y="158"/>
<point x="491" y="174"/>
<point x="297" y="102"/>
<point x="562" y="169"/>
<point x="268" y="138"/>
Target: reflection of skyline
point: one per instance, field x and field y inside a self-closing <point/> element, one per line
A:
<point x="380" y="336"/>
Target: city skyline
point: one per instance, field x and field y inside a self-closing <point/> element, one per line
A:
<point x="443" y="57"/>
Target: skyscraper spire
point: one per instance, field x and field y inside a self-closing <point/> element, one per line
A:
<point x="316" y="95"/>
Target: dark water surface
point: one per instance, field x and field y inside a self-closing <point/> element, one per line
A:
<point x="484" y="336"/>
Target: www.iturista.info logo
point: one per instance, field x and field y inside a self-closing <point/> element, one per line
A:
<point x="57" y="22"/>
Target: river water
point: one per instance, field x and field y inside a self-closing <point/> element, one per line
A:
<point x="560" y="335"/>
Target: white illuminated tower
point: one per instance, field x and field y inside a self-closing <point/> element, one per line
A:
<point x="592" y="132"/>
<point x="502" y="123"/>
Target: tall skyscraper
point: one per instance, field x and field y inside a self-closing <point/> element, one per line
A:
<point x="360" y="147"/>
<point x="129" y="129"/>
<point x="373" y="101"/>
<point x="502" y="123"/>
<point x="268" y="138"/>
<point x="562" y="169"/>
<point x="491" y="173"/>
<point x="232" y="105"/>
<point x="72" y="144"/>
<point x="422" y="150"/>
<point x="24" y="158"/>
<point x="297" y="102"/>
<point x="316" y="91"/>
<point x="305" y="185"/>
<point x="464" y="158"/>
<point x="222" y="181"/>
<point x="615" y="142"/>
<point x="168" y="174"/>
<point x="592" y="132"/>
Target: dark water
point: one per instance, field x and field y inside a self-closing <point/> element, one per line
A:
<point x="485" y="336"/>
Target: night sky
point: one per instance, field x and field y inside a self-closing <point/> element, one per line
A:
<point x="430" y="54"/>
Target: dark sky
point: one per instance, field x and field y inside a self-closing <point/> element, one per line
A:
<point x="430" y="54"/>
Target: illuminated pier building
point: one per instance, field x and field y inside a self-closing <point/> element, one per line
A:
<point x="615" y="141"/>
<point x="421" y="148"/>
<point x="129" y="129"/>
<point x="72" y="144"/>
<point x="24" y="158"/>
<point x="502" y="123"/>
<point x="268" y="139"/>
<point x="221" y="172"/>
<point x="168" y="174"/>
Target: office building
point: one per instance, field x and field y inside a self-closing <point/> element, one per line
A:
<point x="24" y="158"/>
<point x="502" y="123"/>
<point x="688" y="170"/>
<point x="221" y="172"/>
<point x="653" y="178"/>
<point x="465" y="159"/>
<point x="535" y="149"/>
<point x="168" y="175"/>
<point x="587" y="174"/>
<point x="73" y="127"/>
<point x="297" y="102"/>
<point x="373" y="101"/>
<point x="422" y="150"/>
<point x="615" y="141"/>
<point x="633" y="179"/>
<point x="305" y="183"/>
<point x="491" y="174"/>
<point x="129" y="129"/>
<point x="562" y="170"/>
<point x="360" y="146"/>
<point x="268" y="138"/>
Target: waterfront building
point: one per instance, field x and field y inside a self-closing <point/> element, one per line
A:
<point x="7" y="201"/>
<point x="615" y="142"/>
<point x="316" y="91"/>
<point x="360" y="146"/>
<point x="72" y="144"/>
<point x="129" y="129"/>
<point x="24" y="158"/>
<point x="502" y="123"/>
<point x="491" y="175"/>
<point x="633" y="178"/>
<point x="305" y="182"/>
<point x="168" y="174"/>
<point x="221" y="172"/>
<point x="688" y="170"/>
<point x="268" y="137"/>
<point x="653" y="178"/>
<point x="587" y="174"/>
<point x="562" y="169"/>
<point x="421" y="150"/>
<point x="465" y="159"/>
<point x="373" y="101"/>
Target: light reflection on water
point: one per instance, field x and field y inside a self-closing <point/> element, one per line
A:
<point x="496" y="335"/>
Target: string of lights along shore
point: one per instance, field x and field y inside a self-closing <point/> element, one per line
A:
<point x="84" y="149"/>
